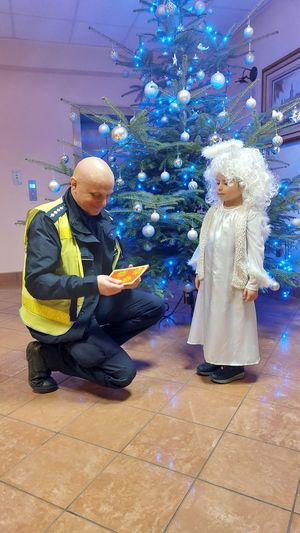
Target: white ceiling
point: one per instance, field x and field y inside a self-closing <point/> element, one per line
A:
<point x="68" y="21"/>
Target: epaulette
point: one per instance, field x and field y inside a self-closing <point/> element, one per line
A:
<point x="57" y="211"/>
<point x="108" y="214"/>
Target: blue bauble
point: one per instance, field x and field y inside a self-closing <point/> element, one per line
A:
<point x="104" y="129"/>
<point x="64" y="159"/>
<point x="200" y="75"/>
<point x="54" y="186"/>
<point x="249" y="58"/>
<point x="151" y="89"/>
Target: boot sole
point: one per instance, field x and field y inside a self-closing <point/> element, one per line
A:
<point x="41" y="390"/>
<point x="233" y="378"/>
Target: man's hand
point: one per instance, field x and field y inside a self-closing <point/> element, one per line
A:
<point x="249" y="296"/>
<point x="109" y="286"/>
<point x="197" y="282"/>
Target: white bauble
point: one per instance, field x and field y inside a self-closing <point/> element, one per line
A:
<point x="165" y="176"/>
<point x="199" y="7"/>
<point x="137" y="208"/>
<point x="54" y="186"/>
<point x="142" y="176"/>
<point x="251" y="103"/>
<point x="104" y="129"/>
<point x="248" y="32"/>
<point x="192" y="235"/>
<point x="177" y="162"/>
<point x="170" y="7"/>
<point x="214" y="138"/>
<point x="151" y="89"/>
<point x="119" y="134"/>
<point x="277" y="116"/>
<point x="184" y="96"/>
<point x="217" y="80"/>
<point x="161" y="11"/>
<point x="296" y="222"/>
<point x="155" y="216"/>
<point x="275" y="286"/>
<point x="185" y="136"/>
<point x="148" y="230"/>
<point x="223" y="115"/>
<point x="277" y="140"/>
<point x="193" y="185"/>
<point x="200" y="75"/>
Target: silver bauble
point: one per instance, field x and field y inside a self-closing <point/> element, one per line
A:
<point x="104" y="129"/>
<point x="151" y="89"/>
<point x="178" y="162"/>
<point x="119" y="181"/>
<point x="155" y="216"/>
<point x="192" y="235"/>
<point x="249" y="58"/>
<point x="251" y="103"/>
<point x="214" y="138"/>
<point x="165" y="176"/>
<point x="147" y="246"/>
<point x="277" y="116"/>
<point x="73" y="116"/>
<point x="275" y="286"/>
<point x="137" y="208"/>
<point x="170" y="7"/>
<point x="148" y="230"/>
<point x="248" y="32"/>
<point x="184" y="96"/>
<point x="185" y="136"/>
<point x="275" y="150"/>
<point x="192" y="185"/>
<point x="54" y="186"/>
<point x="119" y="134"/>
<point x="64" y="159"/>
<point x="277" y="140"/>
<point x="199" y="7"/>
<point x="223" y="115"/>
<point x="142" y="176"/>
<point x="200" y="75"/>
<point x="217" y="80"/>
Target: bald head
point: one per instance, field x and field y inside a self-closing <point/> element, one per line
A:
<point x="91" y="184"/>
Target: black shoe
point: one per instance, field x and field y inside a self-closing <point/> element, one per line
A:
<point x="205" y="369"/>
<point x="226" y="374"/>
<point x="39" y="376"/>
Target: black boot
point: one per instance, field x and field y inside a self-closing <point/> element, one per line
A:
<point x="39" y="376"/>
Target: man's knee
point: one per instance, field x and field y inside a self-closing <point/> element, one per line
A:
<point x="123" y="376"/>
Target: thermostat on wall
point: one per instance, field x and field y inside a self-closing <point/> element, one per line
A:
<point x="32" y="190"/>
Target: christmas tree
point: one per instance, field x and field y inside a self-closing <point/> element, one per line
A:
<point x="181" y="102"/>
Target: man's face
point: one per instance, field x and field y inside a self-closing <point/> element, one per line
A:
<point x="93" y="195"/>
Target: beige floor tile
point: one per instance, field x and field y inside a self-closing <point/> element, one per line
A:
<point x="276" y="389"/>
<point x="108" y="425"/>
<point x="59" y="470"/>
<point x="170" y="366"/>
<point x="295" y="526"/>
<point x="151" y="393"/>
<point x="268" y="423"/>
<point x="175" y="444"/>
<point x="22" y="513"/>
<point x="132" y="496"/>
<point x="282" y="367"/>
<point x="3" y="377"/>
<point x="15" y="340"/>
<point x="12" y="362"/>
<point x="211" y="408"/>
<point x="211" y="509"/>
<point x="53" y="411"/>
<point x="14" y="393"/>
<point x="17" y="440"/>
<point x="70" y="523"/>
<point x="263" y="471"/>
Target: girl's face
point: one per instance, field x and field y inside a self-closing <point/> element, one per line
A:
<point x="229" y="193"/>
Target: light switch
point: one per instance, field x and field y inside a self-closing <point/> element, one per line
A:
<point x="17" y="177"/>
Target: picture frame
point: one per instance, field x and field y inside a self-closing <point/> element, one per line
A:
<point x="281" y="84"/>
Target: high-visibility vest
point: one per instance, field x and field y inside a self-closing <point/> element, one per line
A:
<point x="53" y="316"/>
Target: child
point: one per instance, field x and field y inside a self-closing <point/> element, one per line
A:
<point x="229" y="260"/>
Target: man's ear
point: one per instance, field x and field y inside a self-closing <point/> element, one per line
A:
<point x="73" y="182"/>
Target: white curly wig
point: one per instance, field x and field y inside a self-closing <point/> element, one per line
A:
<point x="243" y="165"/>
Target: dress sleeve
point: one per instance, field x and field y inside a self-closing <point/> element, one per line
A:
<point x="256" y="230"/>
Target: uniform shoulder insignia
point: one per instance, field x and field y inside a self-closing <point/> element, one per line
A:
<point x="57" y="211"/>
<point x="108" y="215"/>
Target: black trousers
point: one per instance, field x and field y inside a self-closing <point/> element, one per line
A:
<point x="98" y="357"/>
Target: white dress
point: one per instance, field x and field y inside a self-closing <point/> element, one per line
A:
<point x="222" y="321"/>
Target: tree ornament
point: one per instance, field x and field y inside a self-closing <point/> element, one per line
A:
<point x="155" y="216"/>
<point x="114" y="55"/>
<point x="125" y="73"/>
<point x="161" y="10"/>
<point x="179" y="73"/>
<point x="64" y="159"/>
<point x="119" y="181"/>
<point x="296" y="222"/>
<point x="170" y="7"/>
<point x="165" y="176"/>
<point x="185" y="136"/>
<point x="184" y="96"/>
<point x="177" y="162"/>
<point x="275" y="286"/>
<point x="277" y="116"/>
<point x="73" y="116"/>
<point x="142" y="176"/>
<point x="248" y="32"/>
<point x="217" y="80"/>
<point x="192" y="235"/>
<point x="275" y="150"/>
<point x="147" y="246"/>
<point x="295" y="116"/>
<point x="277" y="140"/>
<point x="249" y="58"/>
<point x="200" y="75"/>
<point x="54" y="186"/>
<point x="192" y="185"/>
<point x="201" y="46"/>
<point x="199" y="7"/>
<point x="151" y="89"/>
<point x="104" y="129"/>
<point x="137" y="208"/>
<point x="251" y="103"/>
<point x="195" y="58"/>
<point x="190" y="81"/>
<point x="223" y="115"/>
<point x="111" y="158"/>
<point x="148" y="230"/>
<point x="214" y="138"/>
<point x="119" y="134"/>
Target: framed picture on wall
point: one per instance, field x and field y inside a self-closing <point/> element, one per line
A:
<point x="280" y="85"/>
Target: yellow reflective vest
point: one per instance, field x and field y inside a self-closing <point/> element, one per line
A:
<point x="53" y="316"/>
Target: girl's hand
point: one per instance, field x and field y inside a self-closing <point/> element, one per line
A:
<point x="249" y="296"/>
<point x="197" y="282"/>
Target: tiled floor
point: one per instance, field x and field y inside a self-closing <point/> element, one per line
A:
<point x="174" y="452"/>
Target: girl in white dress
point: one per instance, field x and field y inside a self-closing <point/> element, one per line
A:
<point x="229" y="260"/>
